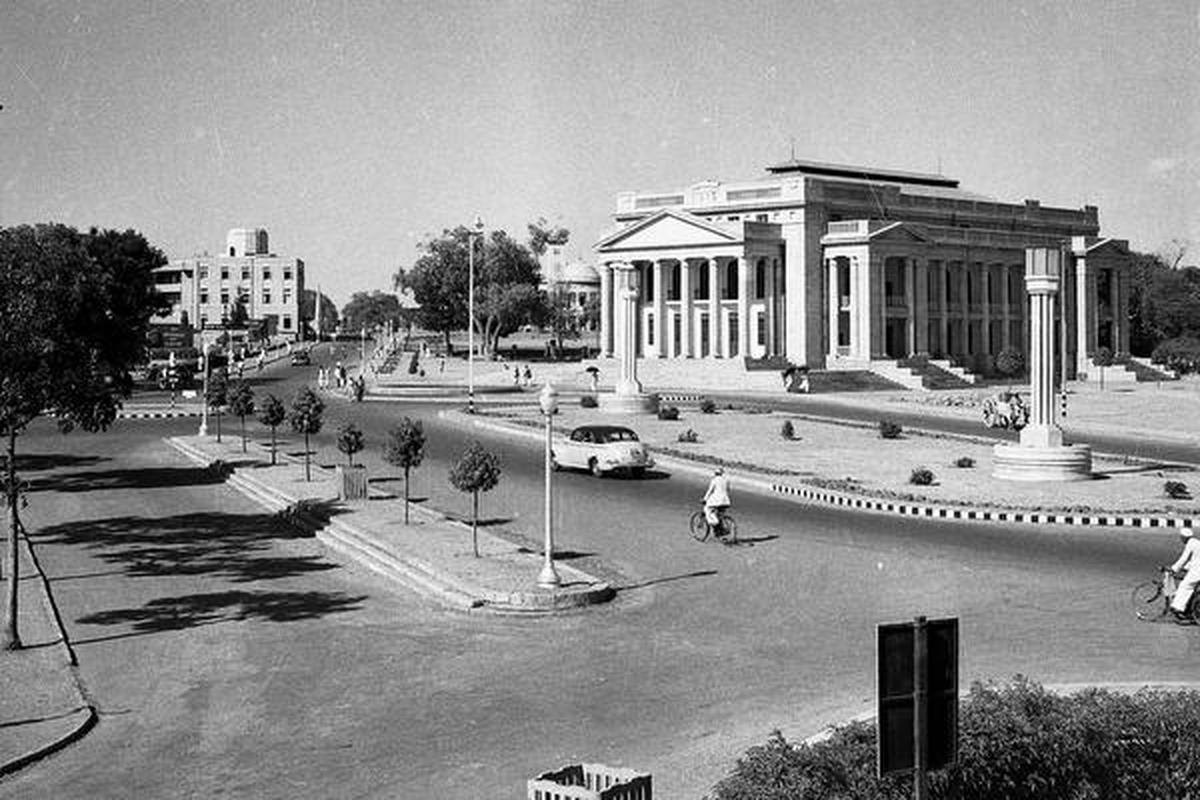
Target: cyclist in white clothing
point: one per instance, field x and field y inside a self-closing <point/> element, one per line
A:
<point x="716" y="500"/>
<point x="1188" y="560"/>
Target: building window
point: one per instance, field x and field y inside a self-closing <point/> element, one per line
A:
<point x="287" y="322"/>
<point x="287" y="295"/>
<point x="761" y="218"/>
<point x="266" y="273"/>
<point x="204" y="273"/>
<point x="701" y="290"/>
<point x="648" y="283"/>
<point x="650" y="329"/>
<point x="673" y="283"/>
<point x="731" y="280"/>
<point x="224" y="273"/>
<point x="204" y="298"/>
<point x="203" y="320"/>
<point x="245" y="273"/>
<point x="760" y="279"/>
<point x="266" y="298"/>
<point x="762" y="329"/>
<point x="224" y="298"/>
<point x="287" y="274"/>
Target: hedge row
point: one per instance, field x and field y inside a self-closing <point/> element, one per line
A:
<point x="1017" y="742"/>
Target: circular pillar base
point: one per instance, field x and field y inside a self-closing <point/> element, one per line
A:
<point x="1072" y="462"/>
<point x="622" y="403"/>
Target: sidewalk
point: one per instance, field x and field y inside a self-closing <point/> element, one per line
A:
<point x="432" y="556"/>
<point x="43" y="707"/>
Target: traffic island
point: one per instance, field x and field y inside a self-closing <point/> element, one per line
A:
<point x="431" y="556"/>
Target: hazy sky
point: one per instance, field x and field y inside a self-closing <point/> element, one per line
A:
<point x="352" y="130"/>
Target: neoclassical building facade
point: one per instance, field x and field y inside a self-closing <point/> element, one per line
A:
<point x="846" y="267"/>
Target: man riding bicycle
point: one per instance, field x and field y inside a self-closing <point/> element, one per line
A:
<point x="1188" y="560"/>
<point x="716" y="500"/>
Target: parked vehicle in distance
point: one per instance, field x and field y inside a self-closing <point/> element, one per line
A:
<point x="602" y="449"/>
<point x="300" y="358"/>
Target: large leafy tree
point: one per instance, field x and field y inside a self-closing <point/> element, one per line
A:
<point x="1164" y="302"/>
<point x="370" y="310"/>
<point x="506" y="284"/>
<point x="75" y="310"/>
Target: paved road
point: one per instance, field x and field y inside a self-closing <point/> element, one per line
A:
<point x="231" y="658"/>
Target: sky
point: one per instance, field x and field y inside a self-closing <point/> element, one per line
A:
<point x="353" y="131"/>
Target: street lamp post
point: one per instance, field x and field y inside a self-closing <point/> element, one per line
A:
<point x="548" y="399"/>
<point x="204" y="388"/>
<point x="478" y="231"/>
<point x="362" y="351"/>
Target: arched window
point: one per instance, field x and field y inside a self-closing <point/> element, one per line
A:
<point x="731" y="280"/>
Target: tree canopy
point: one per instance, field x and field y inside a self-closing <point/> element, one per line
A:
<point x="507" y="275"/>
<point x="370" y="310"/>
<point x="76" y="308"/>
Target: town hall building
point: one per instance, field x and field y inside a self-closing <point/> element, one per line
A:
<point x="854" y="268"/>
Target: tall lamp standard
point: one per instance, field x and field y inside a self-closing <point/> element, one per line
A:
<point x="548" y="400"/>
<point x="204" y="389"/>
<point x="471" y="234"/>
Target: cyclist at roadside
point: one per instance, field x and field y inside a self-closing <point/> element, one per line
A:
<point x="716" y="500"/>
<point x="1188" y="560"/>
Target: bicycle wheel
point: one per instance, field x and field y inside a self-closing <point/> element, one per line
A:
<point x="730" y="526"/>
<point x="699" y="526"/>
<point x="1147" y="600"/>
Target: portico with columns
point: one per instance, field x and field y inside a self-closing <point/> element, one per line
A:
<point x="704" y="290"/>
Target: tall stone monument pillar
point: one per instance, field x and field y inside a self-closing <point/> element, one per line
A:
<point x="628" y="397"/>
<point x="1041" y="454"/>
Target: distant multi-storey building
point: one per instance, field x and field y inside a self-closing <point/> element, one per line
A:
<point x="205" y="290"/>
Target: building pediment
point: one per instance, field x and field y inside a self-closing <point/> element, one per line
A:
<point x="874" y="231"/>
<point x="667" y="229"/>
<point x="1097" y="246"/>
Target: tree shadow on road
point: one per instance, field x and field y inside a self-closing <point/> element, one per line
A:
<point x="35" y="462"/>
<point x="193" y="610"/>
<point x="135" y="478"/>
<point x="236" y="547"/>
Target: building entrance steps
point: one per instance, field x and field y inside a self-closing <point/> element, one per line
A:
<point x="432" y="556"/>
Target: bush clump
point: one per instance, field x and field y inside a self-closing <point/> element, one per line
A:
<point x="668" y="413"/>
<point x="787" y="430"/>
<point x="1176" y="490"/>
<point x="1181" y="354"/>
<point x="1016" y="742"/>
<point x="588" y="401"/>
<point x="688" y="437"/>
<point x="964" y="462"/>
<point x="708" y="406"/>
<point x="921" y="476"/>
<point x="889" y="429"/>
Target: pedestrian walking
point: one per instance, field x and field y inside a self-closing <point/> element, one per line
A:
<point x="528" y="376"/>
<point x="442" y="363"/>
<point x="516" y="375"/>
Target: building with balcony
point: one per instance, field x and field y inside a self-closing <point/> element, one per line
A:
<point x="205" y="290"/>
<point x="845" y="267"/>
<point x="579" y="282"/>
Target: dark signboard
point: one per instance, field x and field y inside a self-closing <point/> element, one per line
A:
<point x="901" y="649"/>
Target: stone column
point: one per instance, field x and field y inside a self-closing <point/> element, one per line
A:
<point x="1042" y="287"/>
<point x="1114" y="302"/>
<point x="660" y="311"/>
<point x="921" y="310"/>
<point x="910" y="302"/>
<point x="943" y="292"/>
<point x="985" y="294"/>
<point x="1085" y="316"/>
<point x="627" y="294"/>
<point x="771" y="344"/>
<point x="606" y="311"/>
<point x="835" y="304"/>
<point x="1006" y="308"/>
<point x="685" y="308"/>
<point x="1121" y="278"/>
<point x="714" y="308"/>
<point x="745" y="266"/>
<point x="964" y="302"/>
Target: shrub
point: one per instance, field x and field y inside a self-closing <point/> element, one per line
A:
<point x="1181" y="354"/>
<point x="708" y="406"/>
<point x="477" y="470"/>
<point x="889" y="429"/>
<point x="405" y="448"/>
<point x="350" y="440"/>
<point x="688" y="437"/>
<point x="1176" y="490"/>
<point x="788" y="431"/>
<point x="1010" y="362"/>
<point x="589" y="401"/>
<point x="964" y="462"/>
<point x="921" y="476"/>
<point x="1016" y="742"/>
<point x="668" y="413"/>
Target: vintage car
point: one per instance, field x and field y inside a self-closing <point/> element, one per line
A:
<point x="300" y="358"/>
<point x="602" y="449"/>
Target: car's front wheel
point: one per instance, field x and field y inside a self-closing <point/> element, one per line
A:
<point x="594" y="466"/>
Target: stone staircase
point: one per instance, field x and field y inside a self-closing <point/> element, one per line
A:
<point x="937" y="373"/>
<point x="1146" y="370"/>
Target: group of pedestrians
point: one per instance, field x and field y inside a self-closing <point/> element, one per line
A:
<point x="335" y="373"/>
<point x="522" y="378"/>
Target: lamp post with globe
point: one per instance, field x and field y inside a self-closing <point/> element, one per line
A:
<point x="548" y="400"/>
<point x="476" y="230"/>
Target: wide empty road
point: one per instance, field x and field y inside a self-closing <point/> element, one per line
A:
<point x="230" y="658"/>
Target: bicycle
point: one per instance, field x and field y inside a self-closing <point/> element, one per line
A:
<point x="1152" y="599"/>
<point x="701" y="530"/>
